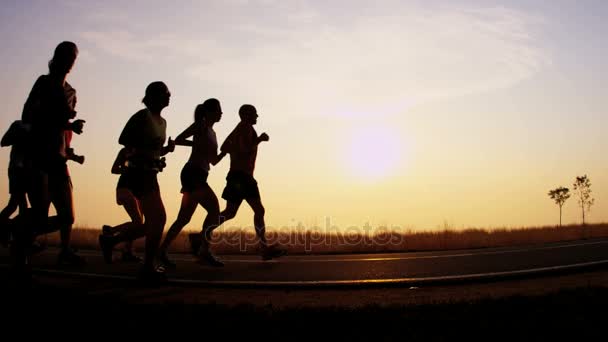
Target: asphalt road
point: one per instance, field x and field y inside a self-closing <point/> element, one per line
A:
<point x="354" y="269"/>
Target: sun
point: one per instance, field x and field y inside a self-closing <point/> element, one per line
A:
<point x="373" y="153"/>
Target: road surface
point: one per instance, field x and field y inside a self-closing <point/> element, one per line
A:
<point x="407" y="269"/>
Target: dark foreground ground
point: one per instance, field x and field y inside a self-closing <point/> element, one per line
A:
<point x="573" y="306"/>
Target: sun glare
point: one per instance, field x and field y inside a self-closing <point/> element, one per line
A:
<point x="374" y="153"/>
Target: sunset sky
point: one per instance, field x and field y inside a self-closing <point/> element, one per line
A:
<point x="404" y="113"/>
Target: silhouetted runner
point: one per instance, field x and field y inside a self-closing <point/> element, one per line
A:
<point x="195" y="189"/>
<point x="130" y="202"/>
<point x="145" y="135"/>
<point x="18" y="170"/>
<point x="48" y="110"/>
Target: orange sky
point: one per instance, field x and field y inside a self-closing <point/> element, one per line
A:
<point x="406" y="115"/>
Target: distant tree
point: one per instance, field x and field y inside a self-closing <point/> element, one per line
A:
<point x="560" y="195"/>
<point x="582" y="189"/>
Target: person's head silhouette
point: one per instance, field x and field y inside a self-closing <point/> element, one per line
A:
<point x="210" y="110"/>
<point x="248" y="114"/>
<point x="63" y="59"/>
<point x="157" y="96"/>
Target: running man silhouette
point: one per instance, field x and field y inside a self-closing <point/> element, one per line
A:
<point x="48" y="110"/>
<point x="145" y="135"/>
<point x="195" y="189"/>
<point x="18" y="170"/>
<point x="125" y="198"/>
<point x="242" y="145"/>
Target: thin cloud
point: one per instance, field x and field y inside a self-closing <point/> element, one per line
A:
<point x="406" y="54"/>
<point x="169" y="47"/>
